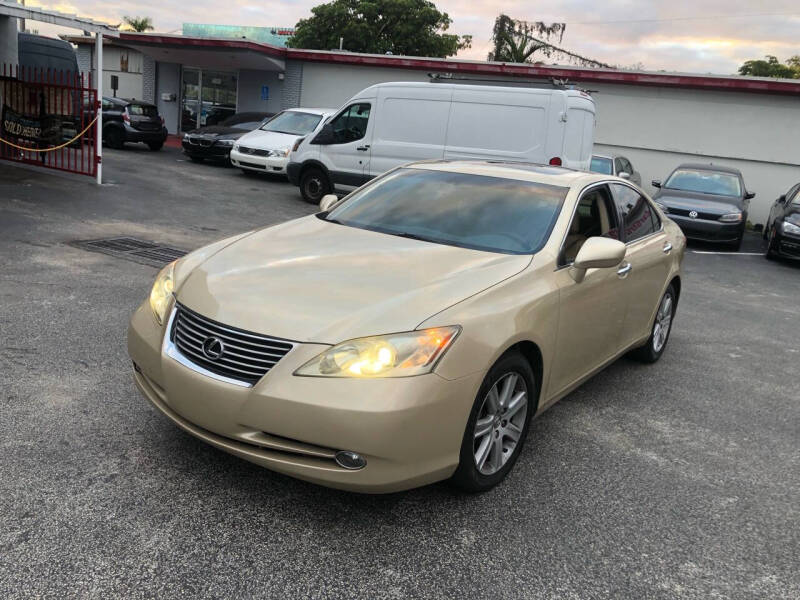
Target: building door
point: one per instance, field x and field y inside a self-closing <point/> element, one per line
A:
<point x="207" y="97"/>
<point x="190" y="99"/>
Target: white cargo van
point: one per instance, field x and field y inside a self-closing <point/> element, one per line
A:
<point x="391" y="124"/>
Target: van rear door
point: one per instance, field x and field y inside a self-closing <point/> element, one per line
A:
<point x="410" y="125"/>
<point x="579" y="133"/>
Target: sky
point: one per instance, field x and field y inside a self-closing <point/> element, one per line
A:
<point x="697" y="36"/>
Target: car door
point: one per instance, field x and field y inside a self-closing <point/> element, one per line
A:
<point x="647" y="260"/>
<point x="635" y="177"/>
<point x="348" y="155"/>
<point x="592" y="312"/>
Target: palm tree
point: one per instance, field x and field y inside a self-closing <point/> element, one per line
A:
<point x="138" y="24"/>
<point x="518" y="52"/>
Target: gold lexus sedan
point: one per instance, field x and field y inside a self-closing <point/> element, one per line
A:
<point x="409" y="332"/>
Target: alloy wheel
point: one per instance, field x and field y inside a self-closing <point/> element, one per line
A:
<point x="663" y="322"/>
<point x="500" y="423"/>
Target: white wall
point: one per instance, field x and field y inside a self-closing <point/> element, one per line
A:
<point x="330" y="86"/>
<point x="168" y="81"/>
<point x="249" y="92"/>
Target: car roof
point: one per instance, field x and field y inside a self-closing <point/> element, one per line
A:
<point x="709" y="167"/>
<point x="315" y="111"/>
<point x="127" y="101"/>
<point x="547" y="174"/>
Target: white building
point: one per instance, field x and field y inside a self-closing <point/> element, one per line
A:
<point x="657" y="120"/>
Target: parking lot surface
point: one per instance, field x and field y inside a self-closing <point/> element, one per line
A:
<point x="675" y="480"/>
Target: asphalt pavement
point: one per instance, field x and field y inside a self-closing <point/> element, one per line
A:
<point x="674" y="480"/>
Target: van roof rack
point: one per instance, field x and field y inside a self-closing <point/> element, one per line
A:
<point x="544" y="83"/>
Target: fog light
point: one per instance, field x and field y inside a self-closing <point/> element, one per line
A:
<point x="350" y="460"/>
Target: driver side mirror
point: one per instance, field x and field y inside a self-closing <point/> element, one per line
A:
<point x="597" y="253"/>
<point x="327" y="201"/>
<point x="782" y="199"/>
<point x="749" y="195"/>
<point x="656" y="183"/>
<point x="325" y="135"/>
<point x="624" y="175"/>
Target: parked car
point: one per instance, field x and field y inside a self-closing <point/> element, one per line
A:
<point x="132" y="121"/>
<point x="614" y="164"/>
<point x="782" y="230"/>
<point x="391" y="124"/>
<point x="266" y="149"/>
<point x="216" y="141"/>
<point x="708" y="202"/>
<point x="409" y="332"/>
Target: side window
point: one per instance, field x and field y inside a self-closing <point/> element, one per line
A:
<point x="638" y="218"/>
<point x="107" y="105"/>
<point x="619" y="165"/>
<point x="627" y="166"/>
<point x="794" y="198"/>
<point x="351" y="125"/>
<point x="594" y="216"/>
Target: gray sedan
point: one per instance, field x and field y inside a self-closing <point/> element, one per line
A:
<point x="614" y="164"/>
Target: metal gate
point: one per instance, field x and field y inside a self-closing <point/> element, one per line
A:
<point x="48" y="119"/>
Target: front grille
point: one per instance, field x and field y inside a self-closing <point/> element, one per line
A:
<point x="244" y="356"/>
<point x="253" y="151"/>
<point x="251" y="165"/>
<point x="684" y="212"/>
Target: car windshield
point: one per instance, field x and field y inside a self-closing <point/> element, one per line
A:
<point x="292" y="122"/>
<point x="494" y="214"/>
<point x="705" y="182"/>
<point x="142" y="110"/>
<point x="600" y="164"/>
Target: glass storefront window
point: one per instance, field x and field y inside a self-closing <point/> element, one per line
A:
<point x="208" y="97"/>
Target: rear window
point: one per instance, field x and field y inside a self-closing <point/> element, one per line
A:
<point x="142" y="110"/>
<point x="601" y="165"/>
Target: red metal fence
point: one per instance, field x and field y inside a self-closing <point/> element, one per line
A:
<point x="48" y="119"/>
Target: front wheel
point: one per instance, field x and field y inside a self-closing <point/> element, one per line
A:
<point x="314" y="184"/>
<point x="115" y="138"/>
<point x="662" y="325"/>
<point x="497" y="425"/>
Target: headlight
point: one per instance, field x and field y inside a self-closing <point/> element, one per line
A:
<point x="394" y="355"/>
<point x="185" y="137"/>
<point x="161" y="294"/>
<point x="225" y="142"/>
<point x="790" y="228"/>
<point x="731" y="218"/>
<point x="236" y="147"/>
<point x="279" y="152"/>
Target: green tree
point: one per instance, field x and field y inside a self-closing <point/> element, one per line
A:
<point x="772" y="67"/>
<point x="139" y="24"/>
<point x="407" y="27"/>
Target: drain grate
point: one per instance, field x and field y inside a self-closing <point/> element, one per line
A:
<point x="140" y="251"/>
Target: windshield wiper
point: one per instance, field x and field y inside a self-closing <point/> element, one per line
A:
<point x="413" y="236"/>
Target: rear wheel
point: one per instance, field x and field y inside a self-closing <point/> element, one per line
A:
<point x="662" y="325"/>
<point x="314" y="184"/>
<point x="155" y="146"/>
<point x="115" y="138"/>
<point x="497" y="425"/>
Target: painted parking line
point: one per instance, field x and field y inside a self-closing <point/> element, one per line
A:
<point x="731" y="253"/>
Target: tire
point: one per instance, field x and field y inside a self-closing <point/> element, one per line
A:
<point x="155" y="146"/>
<point x="657" y="342"/>
<point x="115" y="138"/>
<point x="314" y="184"/>
<point x="196" y="159"/>
<point x="770" y="253"/>
<point x="496" y="451"/>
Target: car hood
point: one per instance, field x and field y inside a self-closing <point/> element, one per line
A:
<point x="268" y="140"/>
<point x="707" y="203"/>
<point x="314" y="281"/>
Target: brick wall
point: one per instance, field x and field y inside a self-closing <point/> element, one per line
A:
<point x="292" y="84"/>
<point x="148" y="79"/>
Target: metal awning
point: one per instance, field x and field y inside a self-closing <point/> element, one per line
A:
<point x="10" y="8"/>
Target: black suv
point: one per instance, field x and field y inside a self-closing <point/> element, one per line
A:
<point x="132" y="121"/>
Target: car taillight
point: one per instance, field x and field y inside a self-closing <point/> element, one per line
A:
<point x="126" y="117"/>
<point x="555" y="161"/>
<point x="297" y="144"/>
<point x="162" y="122"/>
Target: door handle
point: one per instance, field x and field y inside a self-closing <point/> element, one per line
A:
<point x="667" y="248"/>
<point x="363" y="148"/>
<point x="625" y="269"/>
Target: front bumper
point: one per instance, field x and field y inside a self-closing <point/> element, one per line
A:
<point x="408" y="429"/>
<point x="135" y="135"/>
<point x="708" y="231"/>
<point x="263" y="164"/>
<point x="214" y="151"/>
<point x="787" y="244"/>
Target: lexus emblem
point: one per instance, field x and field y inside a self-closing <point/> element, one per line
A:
<point x="693" y="214"/>
<point x="213" y="348"/>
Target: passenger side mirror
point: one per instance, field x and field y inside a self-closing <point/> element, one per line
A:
<point x="656" y="183"/>
<point x="327" y="201"/>
<point x="624" y="175"/>
<point x="597" y="253"/>
<point x="749" y="195"/>
<point x="325" y="135"/>
<point x="782" y="199"/>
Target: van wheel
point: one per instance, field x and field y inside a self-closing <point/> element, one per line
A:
<point x="314" y="184"/>
<point x="497" y="425"/>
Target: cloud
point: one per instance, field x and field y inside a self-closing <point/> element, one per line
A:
<point x="681" y="35"/>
